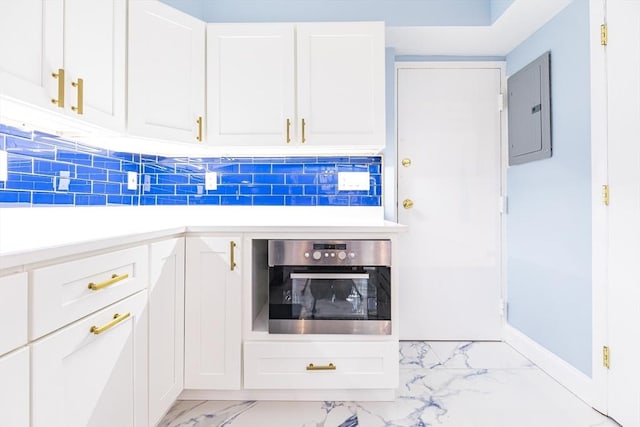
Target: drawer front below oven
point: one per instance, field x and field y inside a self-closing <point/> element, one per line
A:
<point x="320" y="365"/>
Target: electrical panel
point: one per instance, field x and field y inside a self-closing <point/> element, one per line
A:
<point x="529" y="112"/>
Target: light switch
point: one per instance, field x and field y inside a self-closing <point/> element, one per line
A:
<point x="211" y="181"/>
<point x="4" y="168"/>
<point x="353" y="181"/>
<point x="132" y="180"/>
<point x="147" y="183"/>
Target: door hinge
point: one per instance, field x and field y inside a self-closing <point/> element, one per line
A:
<point x="605" y="194"/>
<point x="502" y="204"/>
<point x="500" y="101"/>
<point x="606" y="357"/>
<point x="504" y="308"/>
<point x="604" y="35"/>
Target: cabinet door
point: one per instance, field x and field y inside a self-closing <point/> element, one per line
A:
<point x="341" y="84"/>
<point x="166" y="86"/>
<point x="80" y="378"/>
<point x="212" y="313"/>
<point x="250" y="84"/>
<point x="86" y="39"/>
<point x="31" y="50"/>
<point x="166" y="326"/>
<point x="95" y="52"/>
<point x="14" y="317"/>
<point x="14" y="388"/>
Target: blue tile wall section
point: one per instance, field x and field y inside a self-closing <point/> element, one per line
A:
<point x="45" y="170"/>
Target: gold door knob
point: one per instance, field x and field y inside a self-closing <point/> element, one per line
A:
<point x="406" y="162"/>
<point x="407" y="203"/>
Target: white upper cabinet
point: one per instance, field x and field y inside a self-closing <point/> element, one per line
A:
<point x="166" y="86"/>
<point x="67" y="56"/>
<point x="24" y="71"/>
<point x="304" y="85"/>
<point x="250" y="91"/>
<point x="341" y="88"/>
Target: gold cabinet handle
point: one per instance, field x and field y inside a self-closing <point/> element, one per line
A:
<point x="329" y="367"/>
<point x="304" y="126"/>
<point x="114" y="279"/>
<point x="232" y="251"/>
<point x="79" y="109"/>
<point x="406" y="162"/>
<point x="60" y="76"/>
<point x="407" y="203"/>
<point x="199" y="122"/>
<point x="117" y="318"/>
<point x="288" y="131"/>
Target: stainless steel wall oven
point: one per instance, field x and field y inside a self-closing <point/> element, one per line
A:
<point x="329" y="287"/>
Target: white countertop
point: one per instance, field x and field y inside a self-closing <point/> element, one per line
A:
<point x="28" y="235"/>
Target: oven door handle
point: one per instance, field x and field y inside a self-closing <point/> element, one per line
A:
<point x="329" y="276"/>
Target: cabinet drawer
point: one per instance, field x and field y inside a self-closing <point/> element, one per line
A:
<point x="62" y="293"/>
<point x="13" y="312"/>
<point x="295" y="365"/>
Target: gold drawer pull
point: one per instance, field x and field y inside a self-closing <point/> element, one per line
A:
<point x="288" y="131"/>
<point x="232" y="251"/>
<point x="79" y="109"/>
<point x="199" y="123"/>
<point x="117" y="318"/>
<point x="114" y="279"/>
<point x="329" y="367"/>
<point x="60" y="77"/>
<point x="304" y="128"/>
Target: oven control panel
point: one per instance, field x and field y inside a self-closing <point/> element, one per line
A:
<point x="341" y="255"/>
<point x="330" y="252"/>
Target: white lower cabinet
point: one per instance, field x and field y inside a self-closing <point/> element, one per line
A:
<point x="13" y="312"/>
<point x="14" y="365"/>
<point x="93" y="372"/>
<point x="213" y="313"/>
<point x="14" y="389"/>
<point x="320" y="365"/>
<point x="166" y="326"/>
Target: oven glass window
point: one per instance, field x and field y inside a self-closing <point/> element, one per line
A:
<point x="306" y="296"/>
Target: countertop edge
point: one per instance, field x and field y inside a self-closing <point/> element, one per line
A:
<point x="11" y="262"/>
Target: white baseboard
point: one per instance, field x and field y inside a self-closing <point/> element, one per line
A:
<point x="382" y="395"/>
<point x="571" y="378"/>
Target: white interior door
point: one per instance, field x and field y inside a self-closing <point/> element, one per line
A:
<point x="449" y="128"/>
<point x="623" y="292"/>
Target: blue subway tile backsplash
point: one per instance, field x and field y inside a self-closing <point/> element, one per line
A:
<point x="98" y="177"/>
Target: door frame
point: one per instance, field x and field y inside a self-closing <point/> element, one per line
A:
<point x="599" y="219"/>
<point x="504" y="155"/>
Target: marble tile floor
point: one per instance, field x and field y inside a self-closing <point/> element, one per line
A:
<point x="446" y="384"/>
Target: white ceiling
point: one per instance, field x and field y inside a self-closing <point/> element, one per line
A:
<point x="515" y="25"/>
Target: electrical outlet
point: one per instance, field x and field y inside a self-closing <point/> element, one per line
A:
<point x="211" y="181"/>
<point x="64" y="180"/>
<point x="353" y="181"/>
<point x="132" y="180"/>
<point x="4" y="166"/>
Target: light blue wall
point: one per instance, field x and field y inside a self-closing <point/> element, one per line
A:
<point x="549" y="212"/>
<point x="498" y="7"/>
<point x="192" y="7"/>
<point x="393" y="12"/>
